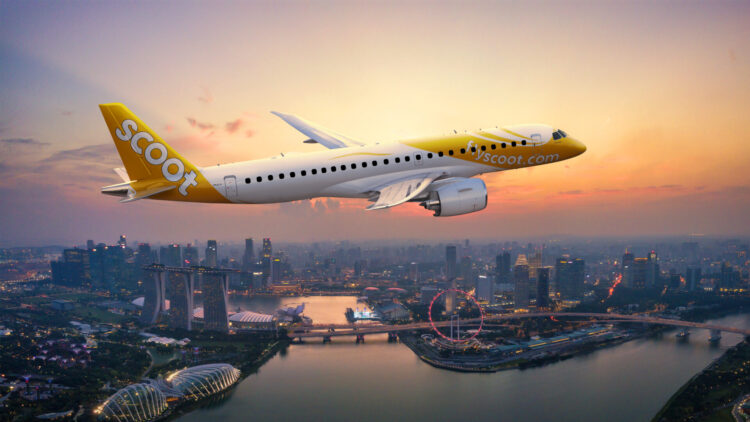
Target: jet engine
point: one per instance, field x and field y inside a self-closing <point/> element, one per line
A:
<point x="456" y="198"/>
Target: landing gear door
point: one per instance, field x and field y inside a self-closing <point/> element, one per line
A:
<point x="230" y="186"/>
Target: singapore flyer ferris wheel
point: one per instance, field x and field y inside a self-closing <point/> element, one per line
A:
<point x="454" y="332"/>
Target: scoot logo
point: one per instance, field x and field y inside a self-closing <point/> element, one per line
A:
<point x="510" y="159"/>
<point x="155" y="153"/>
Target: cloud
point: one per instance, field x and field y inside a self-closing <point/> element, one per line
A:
<point x="66" y="113"/>
<point x="200" y="125"/>
<point x="22" y="141"/>
<point x="233" y="126"/>
<point x="249" y="133"/>
<point x="206" y="98"/>
<point x="97" y="154"/>
<point x="572" y="192"/>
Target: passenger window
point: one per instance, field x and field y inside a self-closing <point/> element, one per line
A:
<point x="493" y="146"/>
<point x="314" y="171"/>
<point x="556" y="136"/>
<point x="374" y="163"/>
<point x="364" y="164"/>
<point x="398" y="160"/>
<point x="333" y="169"/>
<point x="429" y="155"/>
<point x="450" y="152"/>
<point x="343" y="167"/>
<point x="247" y="180"/>
<point x="440" y="153"/>
<point x="281" y="175"/>
<point x="292" y="174"/>
<point x="503" y="145"/>
<point x="354" y="166"/>
<point x="463" y="150"/>
<point x="418" y="157"/>
<point x="270" y="177"/>
<point x="484" y="148"/>
<point x="513" y="143"/>
<point x="473" y="149"/>
<point x="407" y="158"/>
<point x="259" y="179"/>
<point x="385" y="161"/>
<point x="523" y="142"/>
<point x="303" y="172"/>
<point x="323" y="170"/>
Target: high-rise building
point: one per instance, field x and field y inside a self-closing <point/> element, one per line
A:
<point x="276" y="273"/>
<point x="450" y="262"/>
<point x="466" y="272"/>
<point x="485" y="288"/>
<point x="179" y="290"/>
<point x="90" y="244"/>
<point x="692" y="278"/>
<point x="170" y="255"/>
<point x="652" y="271"/>
<point x="212" y="259"/>
<point x="266" y="261"/>
<point x="569" y="278"/>
<point x="155" y="294"/>
<point x="639" y="273"/>
<point x="122" y="241"/>
<point x="535" y="262"/>
<point x="73" y="270"/>
<point x="248" y="258"/>
<point x="215" y="286"/>
<point x="190" y="256"/>
<point x="521" y="281"/>
<point x="542" y="287"/>
<point x="450" y="298"/>
<point x="413" y="272"/>
<point x="502" y="267"/>
<point x="627" y="269"/>
<point x="143" y="257"/>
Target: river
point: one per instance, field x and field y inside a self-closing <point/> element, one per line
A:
<point x="375" y="381"/>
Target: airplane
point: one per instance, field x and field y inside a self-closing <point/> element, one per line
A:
<point x="437" y="172"/>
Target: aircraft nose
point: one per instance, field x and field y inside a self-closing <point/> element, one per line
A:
<point x="577" y="146"/>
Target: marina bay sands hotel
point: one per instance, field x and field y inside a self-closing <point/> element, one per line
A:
<point x="177" y="285"/>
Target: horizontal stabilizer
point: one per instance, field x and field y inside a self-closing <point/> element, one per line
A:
<point x="145" y="193"/>
<point x="319" y="134"/>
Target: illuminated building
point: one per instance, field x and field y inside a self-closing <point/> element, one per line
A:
<point x="692" y="278"/>
<point x="190" y="256"/>
<point x="153" y="302"/>
<point x="202" y="381"/>
<point x="211" y="254"/>
<point x="275" y="275"/>
<point x="569" y="278"/>
<point x="122" y="241"/>
<point x="136" y="403"/>
<point x="253" y="321"/>
<point x="170" y="255"/>
<point x="628" y="259"/>
<point x="542" y="287"/>
<point x="652" y="271"/>
<point x="73" y="270"/>
<point x="179" y="288"/>
<point x="427" y="294"/>
<point x="521" y="281"/>
<point x="502" y="267"/>
<point x="639" y="273"/>
<point x="266" y="261"/>
<point x="485" y="289"/>
<point x="466" y="272"/>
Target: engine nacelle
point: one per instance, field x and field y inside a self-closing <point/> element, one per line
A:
<point x="460" y="197"/>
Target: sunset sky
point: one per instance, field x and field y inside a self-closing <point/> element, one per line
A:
<point x="658" y="91"/>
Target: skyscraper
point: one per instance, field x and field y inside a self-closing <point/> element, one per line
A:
<point x="153" y="302"/>
<point x="652" y="271"/>
<point x="639" y="273"/>
<point x="502" y="267"/>
<point x="466" y="272"/>
<point x="248" y="258"/>
<point x="569" y="278"/>
<point x="170" y="255"/>
<point x="122" y="241"/>
<point x="693" y="278"/>
<point x="190" y="256"/>
<point x="521" y="281"/>
<point x="266" y="261"/>
<point x="215" y="286"/>
<point x="627" y="269"/>
<point x="211" y="254"/>
<point x="450" y="262"/>
<point x="179" y="290"/>
<point x="485" y="288"/>
<point x="542" y="287"/>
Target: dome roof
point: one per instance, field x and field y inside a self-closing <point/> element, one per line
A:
<point x="204" y="380"/>
<point x="136" y="402"/>
<point x="249" y="316"/>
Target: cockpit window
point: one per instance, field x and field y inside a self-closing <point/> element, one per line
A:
<point x="556" y="135"/>
<point x="562" y="132"/>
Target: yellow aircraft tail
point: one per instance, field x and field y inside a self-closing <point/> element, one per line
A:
<point x="154" y="168"/>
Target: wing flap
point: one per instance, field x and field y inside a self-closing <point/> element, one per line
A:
<point x="402" y="191"/>
<point x="318" y="134"/>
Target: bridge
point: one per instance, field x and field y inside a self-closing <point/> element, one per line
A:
<point x="326" y="331"/>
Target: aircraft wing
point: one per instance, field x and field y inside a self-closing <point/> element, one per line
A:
<point x="318" y="134"/>
<point x="400" y="191"/>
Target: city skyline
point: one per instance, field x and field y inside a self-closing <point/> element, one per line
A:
<point x="657" y="94"/>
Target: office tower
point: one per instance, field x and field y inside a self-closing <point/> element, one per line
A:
<point x="143" y="257"/>
<point x="215" y="286"/>
<point x="542" y="288"/>
<point x="248" y="258"/>
<point x="190" y="256"/>
<point x="535" y="262"/>
<point x="211" y="254"/>
<point x="413" y="272"/>
<point x="122" y="241"/>
<point x="652" y="271"/>
<point x="639" y="273"/>
<point x="502" y="267"/>
<point x="692" y="278"/>
<point x="153" y="302"/>
<point x="627" y="269"/>
<point x="450" y="298"/>
<point x="266" y="261"/>
<point x="73" y="270"/>
<point x="275" y="270"/>
<point x="170" y="255"/>
<point x="89" y="244"/>
<point x="179" y="290"/>
<point x="450" y="262"/>
<point x="569" y="278"/>
<point x="466" y="272"/>
<point x="521" y="281"/>
<point x="485" y="288"/>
